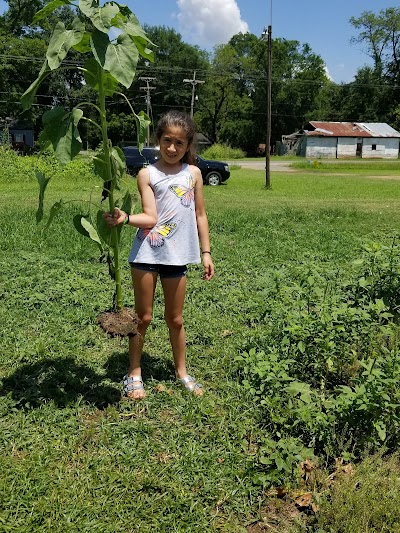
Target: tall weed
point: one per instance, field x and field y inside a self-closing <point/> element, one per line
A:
<point x="222" y="151"/>
<point x="326" y="370"/>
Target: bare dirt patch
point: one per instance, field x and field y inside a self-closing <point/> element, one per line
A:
<point x="278" y="515"/>
<point x="121" y="323"/>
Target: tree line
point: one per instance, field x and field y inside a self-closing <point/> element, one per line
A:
<point x="230" y="106"/>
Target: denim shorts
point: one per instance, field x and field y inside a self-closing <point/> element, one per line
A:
<point x="164" y="271"/>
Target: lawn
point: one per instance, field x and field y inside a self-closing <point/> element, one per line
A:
<point x="76" y="458"/>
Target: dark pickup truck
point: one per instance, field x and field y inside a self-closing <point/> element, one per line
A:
<point x="213" y="172"/>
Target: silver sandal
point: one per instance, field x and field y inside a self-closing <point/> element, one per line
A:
<point x="190" y="384"/>
<point x="131" y="384"/>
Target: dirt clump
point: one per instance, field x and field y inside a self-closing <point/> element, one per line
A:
<point x="119" y="323"/>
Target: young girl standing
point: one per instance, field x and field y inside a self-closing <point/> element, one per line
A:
<point x="170" y="227"/>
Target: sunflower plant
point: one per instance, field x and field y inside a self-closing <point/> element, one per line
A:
<point x="107" y="64"/>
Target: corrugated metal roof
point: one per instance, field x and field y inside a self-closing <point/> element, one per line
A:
<point x="379" y="129"/>
<point x="337" y="129"/>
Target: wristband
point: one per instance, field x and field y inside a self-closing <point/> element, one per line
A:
<point x="206" y="252"/>
<point x="126" y="221"/>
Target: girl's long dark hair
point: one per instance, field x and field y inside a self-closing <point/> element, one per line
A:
<point x="178" y="119"/>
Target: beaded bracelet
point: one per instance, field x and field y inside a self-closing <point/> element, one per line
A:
<point x="126" y="221"/>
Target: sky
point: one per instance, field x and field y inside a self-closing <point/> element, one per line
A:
<point x="323" y="24"/>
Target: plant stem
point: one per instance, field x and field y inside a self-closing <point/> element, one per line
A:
<point x="118" y="304"/>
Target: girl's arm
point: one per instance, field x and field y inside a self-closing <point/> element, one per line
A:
<point x="202" y="223"/>
<point x="144" y="220"/>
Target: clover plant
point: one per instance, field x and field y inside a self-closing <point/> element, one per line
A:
<point x="110" y="39"/>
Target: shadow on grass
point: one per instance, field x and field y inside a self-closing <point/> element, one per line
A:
<point x="152" y="367"/>
<point x="65" y="381"/>
<point x="62" y="380"/>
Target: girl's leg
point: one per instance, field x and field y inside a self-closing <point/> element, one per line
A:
<point x="174" y="297"/>
<point x="144" y="285"/>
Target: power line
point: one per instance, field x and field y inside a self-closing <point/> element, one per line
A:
<point x="221" y="74"/>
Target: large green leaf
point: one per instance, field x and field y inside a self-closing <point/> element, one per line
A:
<point x="141" y="45"/>
<point x="103" y="229"/>
<point x="142" y="123"/>
<point x="48" y="9"/>
<point x="126" y="207"/>
<point x="85" y="228"/>
<point x="119" y="59"/>
<point x="43" y="182"/>
<point x="29" y="94"/>
<point x="61" y="129"/>
<point x="101" y="17"/>
<point x="117" y="162"/>
<point x="127" y="203"/>
<point x="100" y="166"/>
<point x="110" y="84"/>
<point x="127" y="21"/>
<point x="84" y="45"/>
<point x="62" y="40"/>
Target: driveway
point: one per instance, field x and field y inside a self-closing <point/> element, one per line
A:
<point x="276" y="166"/>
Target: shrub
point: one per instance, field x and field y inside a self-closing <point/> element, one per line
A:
<point x="326" y="371"/>
<point x="22" y="169"/>
<point x="221" y="152"/>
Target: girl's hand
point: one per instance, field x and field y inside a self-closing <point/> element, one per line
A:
<point x="116" y="218"/>
<point x="208" y="267"/>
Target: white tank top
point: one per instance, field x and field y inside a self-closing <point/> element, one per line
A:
<point x="174" y="239"/>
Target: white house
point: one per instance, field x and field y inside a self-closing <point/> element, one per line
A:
<point x="344" y="140"/>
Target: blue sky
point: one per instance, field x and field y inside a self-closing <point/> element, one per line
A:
<point x="321" y="23"/>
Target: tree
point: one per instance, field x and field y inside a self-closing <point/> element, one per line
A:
<point x="381" y="36"/>
<point x="174" y="60"/>
<point x="218" y="92"/>
<point x="375" y="93"/>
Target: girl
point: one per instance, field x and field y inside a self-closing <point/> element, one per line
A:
<point x="170" y="227"/>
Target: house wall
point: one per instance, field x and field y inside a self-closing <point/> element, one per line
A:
<point x="385" y="148"/>
<point x="321" y="147"/>
<point x="346" y="147"/>
<point x="27" y="136"/>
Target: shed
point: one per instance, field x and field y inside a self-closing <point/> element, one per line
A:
<point x="344" y="140"/>
<point x="20" y="134"/>
<point x="202" y="142"/>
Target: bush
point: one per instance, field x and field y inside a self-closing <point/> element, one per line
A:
<point x="326" y="371"/>
<point x="222" y="152"/>
<point x="17" y="168"/>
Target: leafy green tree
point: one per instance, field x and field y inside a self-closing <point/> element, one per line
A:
<point x="380" y="33"/>
<point x="174" y="61"/>
<point x="218" y="92"/>
<point x="298" y="75"/>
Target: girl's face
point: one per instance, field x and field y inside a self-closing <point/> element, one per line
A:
<point x="173" y="144"/>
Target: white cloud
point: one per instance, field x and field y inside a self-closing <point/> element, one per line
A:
<point x="328" y="74"/>
<point x="209" y="22"/>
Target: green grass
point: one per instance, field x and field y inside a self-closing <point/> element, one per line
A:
<point x="389" y="167"/>
<point x="75" y="458"/>
<point x="365" y="500"/>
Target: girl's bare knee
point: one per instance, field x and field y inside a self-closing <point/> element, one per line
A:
<point x="174" y="322"/>
<point x="145" y="320"/>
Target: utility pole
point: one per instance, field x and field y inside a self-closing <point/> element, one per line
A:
<point x="147" y="89"/>
<point x="194" y="82"/>
<point x="268" y="33"/>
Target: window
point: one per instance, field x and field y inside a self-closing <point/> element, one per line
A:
<point x="374" y="147"/>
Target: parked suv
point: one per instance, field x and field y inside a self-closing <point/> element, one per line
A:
<point x="213" y="172"/>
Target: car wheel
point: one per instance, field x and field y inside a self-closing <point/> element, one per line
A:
<point x="213" y="178"/>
